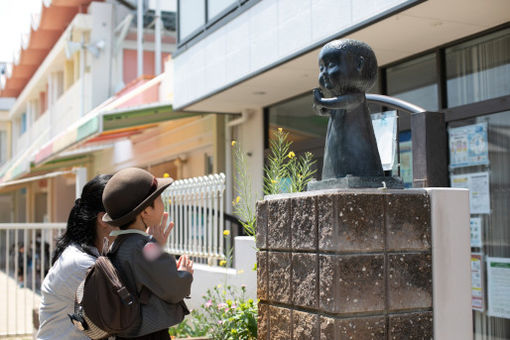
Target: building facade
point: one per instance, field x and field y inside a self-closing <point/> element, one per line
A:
<point x="77" y="101"/>
<point x="258" y="59"/>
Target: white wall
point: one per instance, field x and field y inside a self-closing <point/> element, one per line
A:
<point x="451" y="263"/>
<point x="100" y="67"/>
<point x="264" y="34"/>
<point x="250" y="136"/>
<point x="206" y="277"/>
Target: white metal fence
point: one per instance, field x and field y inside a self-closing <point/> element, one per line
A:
<point x="25" y="251"/>
<point x="196" y="206"/>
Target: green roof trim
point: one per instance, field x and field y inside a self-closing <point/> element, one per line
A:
<point x="142" y="116"/>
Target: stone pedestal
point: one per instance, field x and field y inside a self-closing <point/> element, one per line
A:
<point x="361" y="264"/>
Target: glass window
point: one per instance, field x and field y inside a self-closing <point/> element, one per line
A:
<point x="415" y="81"/>
<point x="479" y="69"/>
<point x="215" y="7"/>
<point x="490" y="219"/>
<point x="306" y="129"/>
<point x="191" y="16"/>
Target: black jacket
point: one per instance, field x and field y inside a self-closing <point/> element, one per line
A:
<point x="160" y="276"/>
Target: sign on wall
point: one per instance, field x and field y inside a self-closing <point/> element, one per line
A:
<point x="498" y="282"/>
<point x="469" y="145"/>
<point x="385" y="130"/>
<point x="476" y="231"/>
<point x="477" y="294"/>
<point x="478" y="185"/>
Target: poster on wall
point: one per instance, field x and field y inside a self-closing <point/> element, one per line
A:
<point x="406" y="158"/>
<point x="476" y="231"/>
<point x="478" y="185"/>
<point x="477" y="295"/>
<point x="468" y="145"/>
<point x="498" y="283"/>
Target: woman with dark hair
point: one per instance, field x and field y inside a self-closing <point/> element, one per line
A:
<point x="77" y="249"/>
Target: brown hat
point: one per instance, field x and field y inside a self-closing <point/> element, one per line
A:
<point x="128" y="192"/>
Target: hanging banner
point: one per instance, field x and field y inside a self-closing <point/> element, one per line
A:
<point x="498" y="283"/>
<point x="477" y="295"/>
<point x="468" y="145"/>
<point x="478" y="185"/>
<point x="476" y="231"/>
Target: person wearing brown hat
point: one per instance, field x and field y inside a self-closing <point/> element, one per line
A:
<point x="132" y="200"/>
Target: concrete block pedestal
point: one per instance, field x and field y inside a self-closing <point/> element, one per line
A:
<point x="364" y="264"/>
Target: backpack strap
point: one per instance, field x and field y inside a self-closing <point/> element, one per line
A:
<point x="145" y="293"/>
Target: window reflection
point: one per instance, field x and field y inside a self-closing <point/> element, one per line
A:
<point x="215" y="7"/>
<point x="479" y="69"/>
<point x="191" y="16"/>
<point x="415" y="81"/>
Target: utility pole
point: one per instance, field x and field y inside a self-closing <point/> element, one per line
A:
<point x="139" y="40"/>
<point x="157" y="39"/>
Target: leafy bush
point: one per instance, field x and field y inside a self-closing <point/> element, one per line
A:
<point x="225" y="315"/>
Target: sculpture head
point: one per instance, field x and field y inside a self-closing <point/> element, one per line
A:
<point x="346" y="66"/>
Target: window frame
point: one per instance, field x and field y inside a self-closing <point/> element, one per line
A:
<point x="219" y="20"/>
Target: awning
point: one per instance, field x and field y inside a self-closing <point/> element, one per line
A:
<point x="36" y="178"/>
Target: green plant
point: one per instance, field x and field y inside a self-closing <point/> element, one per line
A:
<point x="242" y="204"/>
<point x="284" y="171"/>
<point x="226" y="314"/>
<point x="194" y="325"/>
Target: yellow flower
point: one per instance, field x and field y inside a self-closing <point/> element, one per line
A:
<point x="222" y="263"/>
<point x="273" y="181"/>
<point x="233" y="142"/>
<point x="169" y="201"/>
<point x="219" y="286"/>
<point x="280" y="129"/>
<point x="291" y="155"/>
<point x="234" y="202"/>
<point x="226" y="232"/>
<point x="166" y="175"/>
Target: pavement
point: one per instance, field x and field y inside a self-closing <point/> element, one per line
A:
<point x="16" y="309"/>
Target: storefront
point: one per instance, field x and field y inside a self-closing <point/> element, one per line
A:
<point x="468" y="81"/>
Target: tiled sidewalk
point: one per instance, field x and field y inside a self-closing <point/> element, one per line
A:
<point x="16" y="315"/>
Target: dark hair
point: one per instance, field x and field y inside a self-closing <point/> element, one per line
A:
<point x="81" y="223"/>
<point x="126" y="225"/>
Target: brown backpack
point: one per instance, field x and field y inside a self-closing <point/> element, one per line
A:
<point x="103" y="305"/>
